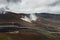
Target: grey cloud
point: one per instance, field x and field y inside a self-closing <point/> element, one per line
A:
<point x="31" y="6"/>
<point x="14" y="1"/>
<point x="55" y="3"/>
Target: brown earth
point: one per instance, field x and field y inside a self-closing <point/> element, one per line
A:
<point x="26" y="35"/>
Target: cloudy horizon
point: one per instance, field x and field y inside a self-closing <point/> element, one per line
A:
<point x="31" y="6"/>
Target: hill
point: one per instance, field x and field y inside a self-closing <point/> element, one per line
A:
<point x="46" y="27"/>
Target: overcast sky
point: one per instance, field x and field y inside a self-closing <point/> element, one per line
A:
<point x="31" y="6"/>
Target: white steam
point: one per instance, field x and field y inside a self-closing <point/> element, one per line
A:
<point x="33" y="17"/>
<point x="26" y="19"/>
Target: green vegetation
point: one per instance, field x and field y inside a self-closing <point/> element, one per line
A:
<point x="4" y="37"/>
<point x="39" y="31"/>
<point x="46" y="33"/>
<point x="49" y="35"/>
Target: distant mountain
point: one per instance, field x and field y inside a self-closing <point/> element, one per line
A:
<point x="49" y="16"/>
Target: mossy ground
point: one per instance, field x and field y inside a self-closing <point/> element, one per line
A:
<point x="26" y="34"/>
<point x="4" y="37"/>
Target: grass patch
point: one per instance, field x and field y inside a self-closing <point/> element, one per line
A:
<point x="4" y="37"/>
<point x="47" y="34"/>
